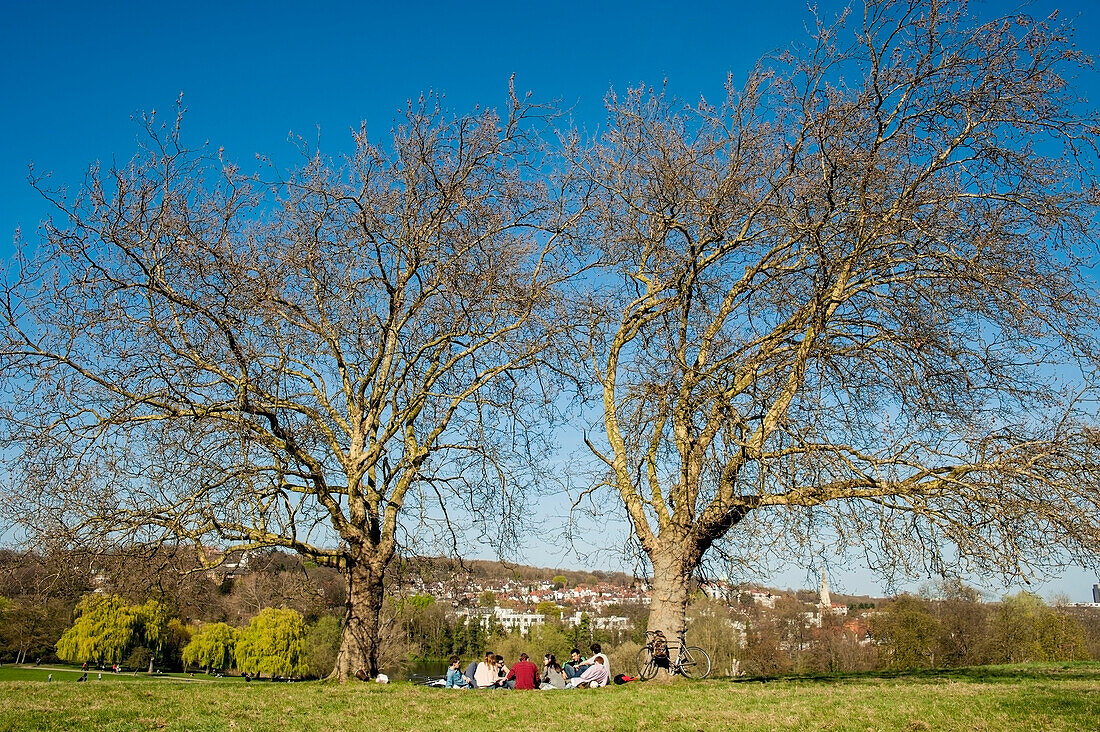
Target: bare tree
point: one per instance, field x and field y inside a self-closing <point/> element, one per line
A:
<point x="855" y="304"/>
<point x="43" y="589"/>
<point x="295" y="363"/>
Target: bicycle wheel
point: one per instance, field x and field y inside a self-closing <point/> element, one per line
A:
<point x="647" y="669"/>
<point x="694" y="662"/>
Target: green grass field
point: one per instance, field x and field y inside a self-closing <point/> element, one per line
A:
<point x="1037" y="698"/>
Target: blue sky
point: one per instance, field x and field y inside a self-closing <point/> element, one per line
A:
<point x="73" y="74"/>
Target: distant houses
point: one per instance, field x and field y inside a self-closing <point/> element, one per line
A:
<point x="523" y="621"/>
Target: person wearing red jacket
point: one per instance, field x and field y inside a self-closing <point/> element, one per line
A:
<point x="525" y="673"/>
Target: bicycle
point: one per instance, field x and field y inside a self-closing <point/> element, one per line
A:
<point x="690" y="661"/>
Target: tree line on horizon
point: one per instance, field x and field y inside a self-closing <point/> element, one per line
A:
<point x="269" y="622"/>
<point x="851" y="304"/>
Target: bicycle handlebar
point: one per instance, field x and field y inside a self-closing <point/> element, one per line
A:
<point x="681" y="634"/>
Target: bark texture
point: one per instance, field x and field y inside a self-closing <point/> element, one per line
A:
<point x="359" y="643"/>
<point x="671" y="590"/>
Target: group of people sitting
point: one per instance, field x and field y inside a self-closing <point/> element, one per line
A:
<point x="576" y="673"/>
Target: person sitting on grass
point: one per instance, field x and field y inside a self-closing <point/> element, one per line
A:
<point x="471" y="672"/>
<point x="570" y="668"/>
<point x="525" y="674"/>
<point x="597" y="652"/>
<point x="552" y="676"/>
<point x="486" y="673"/>
<point x="455" y="678"/>
<point x="594" y="676"/>
<point x="492" y="673"/>
<point x="502" y="673"/>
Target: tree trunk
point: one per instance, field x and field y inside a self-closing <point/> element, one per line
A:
<point x="360" y="639"/>
<point x="669" y="595"/>
<point x="672" y="571"/>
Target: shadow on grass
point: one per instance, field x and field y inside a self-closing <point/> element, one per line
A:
<point x="1067" y="671"/>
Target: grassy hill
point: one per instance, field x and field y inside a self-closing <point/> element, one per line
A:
<point x="1029" y="697"/>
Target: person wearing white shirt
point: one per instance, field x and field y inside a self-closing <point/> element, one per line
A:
<point x="597" y="674"/>
<point x="486" y="673"/>
<point x="597" y="652"/>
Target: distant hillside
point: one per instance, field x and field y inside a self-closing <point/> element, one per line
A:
<point x="434" y="569"/>
<point x="438" y="569"/>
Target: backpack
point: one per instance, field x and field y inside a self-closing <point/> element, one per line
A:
<point x="660" y="645"/>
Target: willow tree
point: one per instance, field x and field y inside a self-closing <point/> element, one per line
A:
<point x="273" y="643"/>
<point x="854" y="304"/>
<point x="103" y="631"/>
<point x="106" y="629"/>
<point x="202" y="355"/>
<point x="211" y="647"/>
